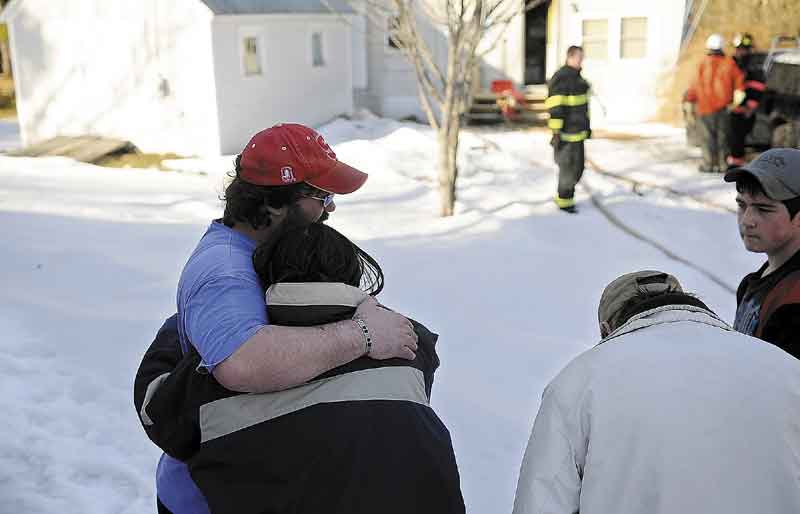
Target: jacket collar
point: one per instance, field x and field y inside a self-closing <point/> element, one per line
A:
<point x="668" y="314"/>
<point x="304" y="294"/>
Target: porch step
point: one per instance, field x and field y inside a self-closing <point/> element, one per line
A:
<point x="487" y="107"/>
<point x="82" y="148"/>
<point x="536" y="92"/>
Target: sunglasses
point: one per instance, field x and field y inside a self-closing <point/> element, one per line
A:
<point x="326" y="200"/>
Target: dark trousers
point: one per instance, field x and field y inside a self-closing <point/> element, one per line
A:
<point x="714" y="130"/>
<point x="161" y="508"/>
<point x="569" y="158"/>
<point x="740" y="126"/>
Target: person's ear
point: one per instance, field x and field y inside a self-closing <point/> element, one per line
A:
<point x="605" y="329"/>
<point x="795" y="220"/>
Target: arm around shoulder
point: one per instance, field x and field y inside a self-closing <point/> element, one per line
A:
<point x="278" y="357"/>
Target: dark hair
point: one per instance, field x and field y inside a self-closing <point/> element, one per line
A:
<point x="247" y="203"/>
<point x="750" y="185"/>
<point x="747" y="183"/>
<point x="574" y="49"/>
<point x="645" y="300"/>
<point x="317" y="253"/>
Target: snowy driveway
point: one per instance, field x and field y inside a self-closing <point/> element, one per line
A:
<point x="91" y="259"/>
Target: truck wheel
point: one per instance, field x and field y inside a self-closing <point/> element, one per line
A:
<point x="786" y="135"/>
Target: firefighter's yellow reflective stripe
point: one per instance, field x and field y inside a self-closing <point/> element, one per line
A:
<point x="563" y="203"/>
<point x="568" y="100"/>
<point x="555" y="123"/>
<point x="575" y="100"/>
<point x="572" y="138"/>
<point x="553" y="101"/>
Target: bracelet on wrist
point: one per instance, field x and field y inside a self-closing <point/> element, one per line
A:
<point x="365" y="333"/>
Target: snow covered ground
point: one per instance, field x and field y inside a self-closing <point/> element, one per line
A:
<point x="91" y="258"/>
<point x="9" y="134"/>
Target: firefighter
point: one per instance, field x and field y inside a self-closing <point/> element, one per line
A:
<point x="568" y="104"/>
<point x="743" y="115"/>
<point x="718" y="84"/>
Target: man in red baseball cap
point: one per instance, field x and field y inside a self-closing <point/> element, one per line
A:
<point x="289" y="153"/>
<point x="285" y="177"/>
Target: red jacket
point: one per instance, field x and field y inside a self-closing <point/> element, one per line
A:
<point x="769" y="307"/>
<point x="713" y="86"/>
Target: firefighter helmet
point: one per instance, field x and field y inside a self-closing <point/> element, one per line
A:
<point x="743" y="40"/>
<point x="715" y="42"/>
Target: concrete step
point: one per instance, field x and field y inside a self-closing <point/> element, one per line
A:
<point x="82" y="148"/>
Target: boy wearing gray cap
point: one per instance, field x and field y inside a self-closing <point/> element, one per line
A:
<point x="768" y="300"/>
<point x="673" y="412"/>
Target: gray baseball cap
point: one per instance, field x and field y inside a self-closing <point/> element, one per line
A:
<point x="626" y="287"/>
<point x="777" y="170"/>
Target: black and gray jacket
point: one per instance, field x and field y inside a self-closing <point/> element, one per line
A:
<point x="361" y="438"/>
<point x="769" y="307"/>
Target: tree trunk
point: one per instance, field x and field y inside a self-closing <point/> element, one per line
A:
<point x="5" y="63"/>
<point x="448" y="165"/>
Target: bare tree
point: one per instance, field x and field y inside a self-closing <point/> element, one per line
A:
<point x="472" y="29"/>
<point x="5" y="51"/>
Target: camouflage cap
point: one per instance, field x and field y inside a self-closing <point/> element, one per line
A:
<point x="626" y="287"/>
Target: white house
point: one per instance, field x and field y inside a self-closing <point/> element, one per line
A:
<point x="631" y="46"/>
<point x="196" y="77"/>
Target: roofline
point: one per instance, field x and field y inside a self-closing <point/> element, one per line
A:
<point x="344" y="9"/>
<point x="11" y="10"/>
<point x="231" y="18"/>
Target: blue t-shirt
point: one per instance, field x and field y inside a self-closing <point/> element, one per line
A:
<point x="220" y="306"/>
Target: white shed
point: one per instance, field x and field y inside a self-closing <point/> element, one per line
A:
<point x="195" y="77"/>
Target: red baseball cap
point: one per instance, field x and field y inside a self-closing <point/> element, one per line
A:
<point x="289" y="153"/>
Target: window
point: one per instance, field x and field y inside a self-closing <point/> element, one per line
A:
<point x="317" y="55"/>
<point x="633" y="39"/>
<point x="250" y="57"/>
<point x="595" y="39"/>
<point x="392" y="23"/>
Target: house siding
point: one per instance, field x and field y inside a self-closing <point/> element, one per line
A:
<point x="289" y="89"/>
<point x="628" y="88"/>
<point x="392" y="82"/>
<point x="139" y="71"/>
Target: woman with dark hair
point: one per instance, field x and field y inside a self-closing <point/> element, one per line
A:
<point x="361" y="438"/>
<point x="317" y="253"/>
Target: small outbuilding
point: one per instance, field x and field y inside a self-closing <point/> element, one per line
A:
<point x="195" y="77"/>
